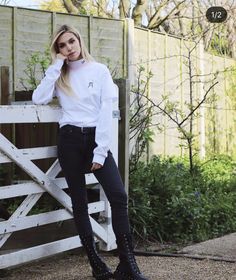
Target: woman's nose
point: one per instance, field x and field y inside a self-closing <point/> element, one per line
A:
<point x="69" y="48"/>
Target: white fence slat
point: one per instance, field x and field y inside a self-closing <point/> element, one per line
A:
<point x="33" y="153"/>
<point x="19" y="190"/>
<point x="106" y="214"/>
<point x="99" y="230"/>
<point x="53" y="170"/>
<point x="31" y="187"/>
<point x="45" y="218"/>
<point x="90" y="179"/>
<point x="29" y="113"/>
<point x="21" y="211"/>
<point x="27" y="188"/>
<point x="37" y="252"/>
<point x="37" y="175"/>
<point x="4" y="158"/>
<point x="24" y="209"/>
<point x="40" y="152"/>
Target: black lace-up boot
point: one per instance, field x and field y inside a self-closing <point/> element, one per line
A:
<point x="127" y="269"/>
<point x="99" y="268"/>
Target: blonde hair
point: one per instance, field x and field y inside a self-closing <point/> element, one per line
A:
<point x="63" y="81"/>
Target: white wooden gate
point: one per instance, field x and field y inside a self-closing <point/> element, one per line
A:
<point x="45" y="182"/>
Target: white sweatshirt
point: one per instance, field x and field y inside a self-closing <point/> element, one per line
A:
<point x="91" y="106"/>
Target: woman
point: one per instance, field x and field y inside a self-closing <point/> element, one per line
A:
<point x="85" y="91"/>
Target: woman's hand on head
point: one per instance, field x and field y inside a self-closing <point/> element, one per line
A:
<point x="61" y="56"/>
<point x="96" y="166"/>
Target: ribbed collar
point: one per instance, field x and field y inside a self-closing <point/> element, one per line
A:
<point x="76" y="63"/>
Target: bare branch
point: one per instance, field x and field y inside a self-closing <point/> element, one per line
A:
<point x="70" y="7"/>
<point x="199" y="104"/>
<point x="124" y="8"/>
<point x="161" y="20"/>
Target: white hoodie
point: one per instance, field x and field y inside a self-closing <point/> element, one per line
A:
<point x="91" y="106"/>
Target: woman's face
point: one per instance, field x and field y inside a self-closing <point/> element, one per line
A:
<point x="69" y="46"/>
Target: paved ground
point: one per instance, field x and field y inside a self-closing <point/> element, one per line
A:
<point x="74" y="265"/>
<point x="222" y="248"/>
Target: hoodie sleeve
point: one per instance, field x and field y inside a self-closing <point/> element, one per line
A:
<point x="103" y="134"/>
<point x="44" y="92"/>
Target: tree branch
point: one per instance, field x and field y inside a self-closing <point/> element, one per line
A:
<point x="161" y="20"/>
<point x="199" y="104"/>
<point x="70" y="7"/>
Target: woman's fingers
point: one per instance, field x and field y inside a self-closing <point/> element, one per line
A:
<point x="61" y="56"/>
<point x="96" y="166"/>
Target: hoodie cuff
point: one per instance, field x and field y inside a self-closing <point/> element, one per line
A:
<point x="99" y="159"/>
<point x="59" y="63"/>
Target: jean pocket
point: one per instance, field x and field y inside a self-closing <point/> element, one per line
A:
<point x="65" y="130"/>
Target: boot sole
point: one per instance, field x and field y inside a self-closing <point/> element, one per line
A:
<point x="122" y="276"/>
<point x="103" y="276"/>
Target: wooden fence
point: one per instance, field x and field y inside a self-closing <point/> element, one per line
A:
<point x="123" y="47"/>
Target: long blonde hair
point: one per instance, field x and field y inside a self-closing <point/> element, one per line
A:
<point x="63" y="81"/>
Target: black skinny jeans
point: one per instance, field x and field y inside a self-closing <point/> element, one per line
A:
<point x="75" y="154"/>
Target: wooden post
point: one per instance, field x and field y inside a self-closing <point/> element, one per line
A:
<point x="6" y="129"/>
<point x="4" y="85"/>
<point x="123" y="145"/>
<point x="130" y="50"/>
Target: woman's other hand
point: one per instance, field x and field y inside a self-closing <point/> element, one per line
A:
<point x="96" y="166"/>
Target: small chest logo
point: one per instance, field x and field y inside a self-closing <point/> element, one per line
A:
<point x="90" y="85"/>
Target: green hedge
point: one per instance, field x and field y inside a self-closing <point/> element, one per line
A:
<point x="167" y="203"/>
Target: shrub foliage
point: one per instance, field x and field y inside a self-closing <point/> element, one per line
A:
<point x="169" y="203"/>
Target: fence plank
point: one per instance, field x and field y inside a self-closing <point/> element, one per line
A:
<point x="106" y="214"/>
<point x="38" y="252"/>
<point x="20" y="190"/>
<point x="32" y="170"/>
<point x="27" y="204"/>
<point x="21" y="211"/>
<point x="34" y="153"/>
<point x="29" y="114"/>
<point x="31" y="187"/>
<point x="45" y="218"/>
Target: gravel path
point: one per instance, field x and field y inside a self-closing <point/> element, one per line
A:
<point x="71" y="266"/>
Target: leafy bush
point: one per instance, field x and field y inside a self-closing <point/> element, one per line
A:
<point x="169" y="203"/>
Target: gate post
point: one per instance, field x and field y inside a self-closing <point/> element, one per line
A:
<point x="6" y="129"/>
<point x="123" y="143"/>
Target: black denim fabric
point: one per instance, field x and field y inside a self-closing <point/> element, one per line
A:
<point x="75" y="154"/>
